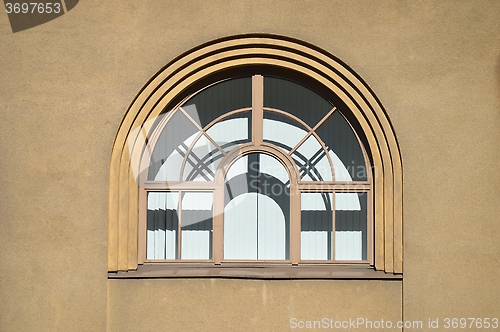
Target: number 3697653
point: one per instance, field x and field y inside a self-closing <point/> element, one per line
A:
<point x="33" y="8"/>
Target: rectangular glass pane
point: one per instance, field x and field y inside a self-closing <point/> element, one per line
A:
<point x="240" y="226"/>
<point x="316" y="226"/>
<point x="162" y="225"/>
<point x="350" y="226"/>
<point x="256" y="209"/>
<point x="271" y="228"/>
<point x="196" y="228"/>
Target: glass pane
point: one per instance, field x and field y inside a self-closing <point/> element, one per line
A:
<point x="232" y="131"/>
<point x="316" y="226"/>
<point x="240" y="227"/>
<point x="171" y="147"/>
<point x="196" y="231"/>
<point x="312" y="161"/>
<point x="221" y="98"/>
<point x="350" y="226"/>
<point x="344" y="148"/>
<point x="257" y="209"/>
<point x="295" y="99"/>
<point x="282" y="131"/>
<point x="162" y="224"/>
<point x="202" y="161"/>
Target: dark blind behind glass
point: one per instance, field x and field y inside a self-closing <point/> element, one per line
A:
<point x="338" y="136"/>
<point x="221" y="98"/>
<point x="295" y="99"/>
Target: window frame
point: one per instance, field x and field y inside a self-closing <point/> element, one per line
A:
<point x="257" y="145"/>
<point x="247" y="50"/>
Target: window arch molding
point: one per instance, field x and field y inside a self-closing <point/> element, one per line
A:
<point x="237" y="52"/>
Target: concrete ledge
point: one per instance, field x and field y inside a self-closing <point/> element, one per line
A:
<point x="352" y="271"/>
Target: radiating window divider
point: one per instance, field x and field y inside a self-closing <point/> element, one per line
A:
<point x="257" y="109"/>
<point x="312" y="130"/>
<point x="203" y="133"/>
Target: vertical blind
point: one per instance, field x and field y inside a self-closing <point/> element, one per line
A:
<point x="317" y="226"/>
<point x="195" y="221"/>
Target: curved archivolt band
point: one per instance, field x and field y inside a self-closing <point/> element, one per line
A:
<point x="243" y="51"/>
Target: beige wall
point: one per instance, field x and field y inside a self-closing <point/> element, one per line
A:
<point x="246" y="305"/>
<point x="65" y="86"/>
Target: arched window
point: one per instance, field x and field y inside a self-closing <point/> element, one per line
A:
<point x="284" y="165"/>
<point x="243" y="159"/>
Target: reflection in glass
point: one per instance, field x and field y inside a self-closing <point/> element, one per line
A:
<point x="350" y="226"/>
<point x="256" y="209"/>
<point x="232" y="131"/>
<point x="254" y="228"/>
<point x="282" y="131"/>
<point x="202" y="161"/>
<point x="344" y="148"/>
<point x="312" y="161"/>
<point x="273" y="168"/>
<point x="171" y="147"/>
<point x="196" y="225"/>
<point x="162" y="225"/>
<point x="316" y="226"/>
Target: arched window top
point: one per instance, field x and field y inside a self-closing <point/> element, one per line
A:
<point x="189" y="143"/>
<point x="284" y="101"/>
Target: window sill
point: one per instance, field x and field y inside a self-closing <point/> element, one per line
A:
<point x="351" y="271"/>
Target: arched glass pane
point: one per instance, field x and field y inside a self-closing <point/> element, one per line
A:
<point x="312" y="161"/>
<point x="171" y="147"/>
<point x="221" y="98"/>
<point x="256" y="209"/>
<point x="344" y="149"/>
<point x="295" y="99"/>
<point x="282" y="131"/>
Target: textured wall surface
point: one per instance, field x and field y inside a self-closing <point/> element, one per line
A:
<point x="64" y="89"/>
<point x="246" y="305"/>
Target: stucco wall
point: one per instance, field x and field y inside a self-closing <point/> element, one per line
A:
<point x="248" y="305"/>
<point x="65" y="86"/>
